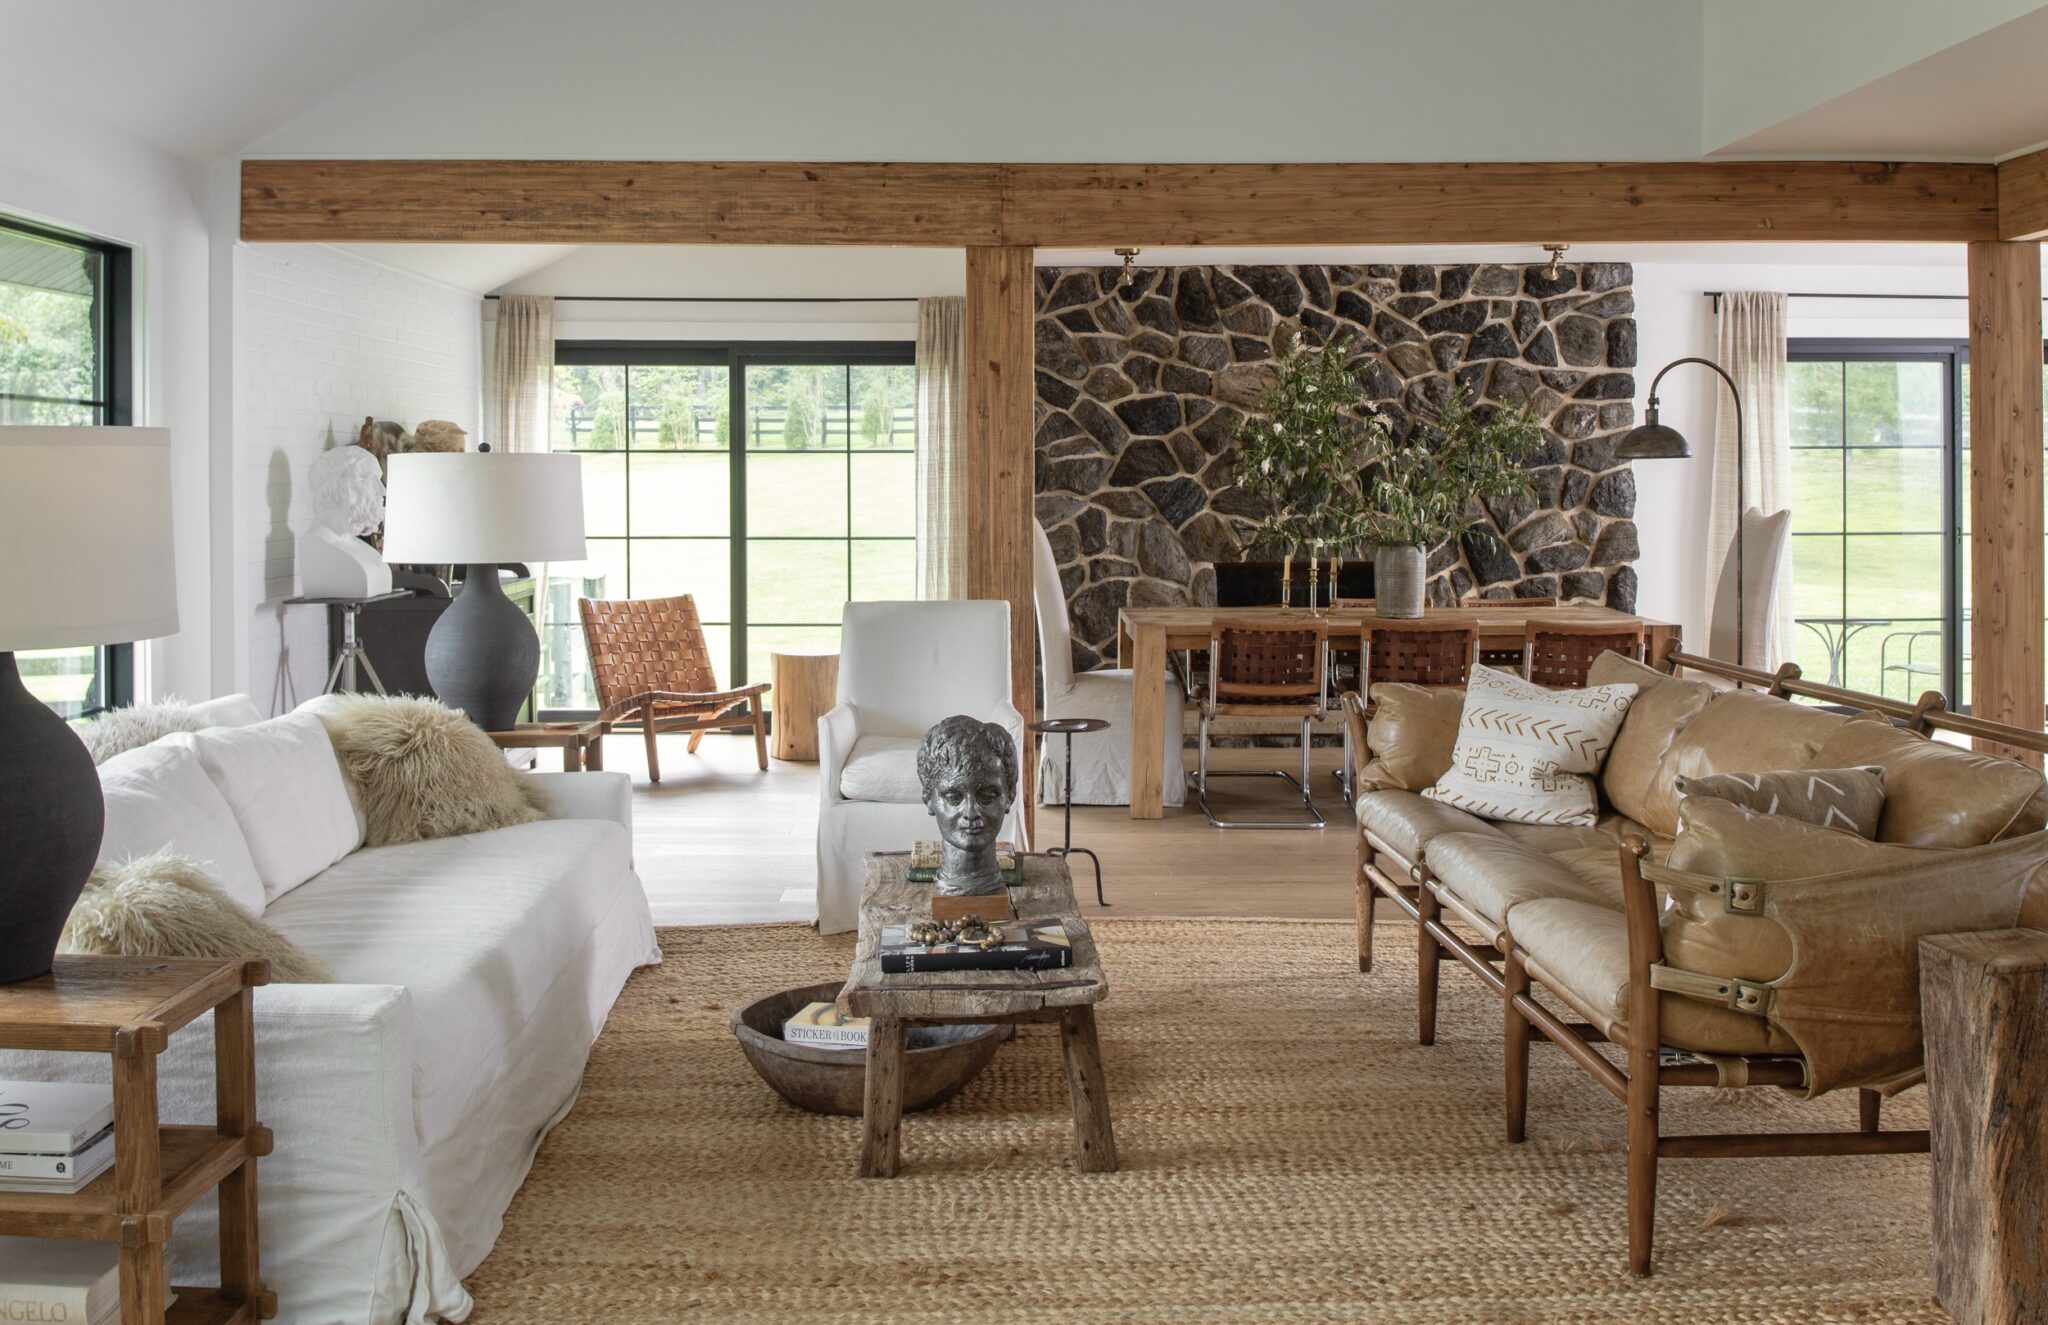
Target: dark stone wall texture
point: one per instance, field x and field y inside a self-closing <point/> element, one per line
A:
<point x="1139" y="390"/>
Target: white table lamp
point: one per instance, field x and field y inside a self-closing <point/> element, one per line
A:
<point x="85" y="534"/>
<point x="480" y="508"/>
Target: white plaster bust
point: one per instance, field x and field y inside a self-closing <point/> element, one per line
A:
<point x="348" y="499"/>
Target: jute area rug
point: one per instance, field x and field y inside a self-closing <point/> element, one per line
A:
<point x="1289" y="1153"/>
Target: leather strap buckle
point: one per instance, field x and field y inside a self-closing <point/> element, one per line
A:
<point x="1739" y="995"/>
<point x="1743" y="896"/>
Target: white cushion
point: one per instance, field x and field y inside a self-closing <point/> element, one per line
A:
<point x="285" y="787"/>
<point x="159" y="796"/>
<point x="479" y="929"/>
<point x="883" y="768"/>
<point x="1524" y="752"/>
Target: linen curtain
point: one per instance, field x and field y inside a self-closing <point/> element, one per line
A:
<point x="1751" y="346"/>
<point x="523" y="372"/>
<point x="941" y="441"/>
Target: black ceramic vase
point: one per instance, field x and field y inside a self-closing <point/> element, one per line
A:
<point x="51" y="818"/>
<point x="483" y="654"/>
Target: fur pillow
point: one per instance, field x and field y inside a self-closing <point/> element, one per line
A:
<point x="163" y="905"/>
<point x="421" y="770"/>
<point x="118" y="731"/>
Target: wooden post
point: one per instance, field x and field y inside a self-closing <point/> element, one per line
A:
<point x="2005" y="487"/>
<point x="1984" y="1003"/>
<point x="1000" y="303"/>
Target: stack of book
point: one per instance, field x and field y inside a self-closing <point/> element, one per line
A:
<point x="823" y="1026"/>
<point x="54" y="1136"/>
<point x="45" y="1279"/>
<point x="1019" y="945"/>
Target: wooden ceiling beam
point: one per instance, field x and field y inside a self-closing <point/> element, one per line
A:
<point x="1100" y="206"/>
<point x="2023" y="197"/>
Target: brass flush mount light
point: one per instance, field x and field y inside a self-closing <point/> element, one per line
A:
<point x="1129" y="255"/>
<point x="1556" y="252"/>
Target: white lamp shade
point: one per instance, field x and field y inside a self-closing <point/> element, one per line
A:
<point x="85" y="534"/>
<point x="483" y="506"/>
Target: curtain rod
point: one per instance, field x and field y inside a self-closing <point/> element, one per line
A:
<point x="1822" y="294"/>
<point x="727" y="299"/>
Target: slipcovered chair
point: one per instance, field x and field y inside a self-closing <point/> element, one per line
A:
<point x="1102" y="760"/>
<point x="902" y="667"/>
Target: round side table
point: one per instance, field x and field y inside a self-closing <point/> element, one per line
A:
<point x="1070" y="728"/>
<point x="806" y="682"/>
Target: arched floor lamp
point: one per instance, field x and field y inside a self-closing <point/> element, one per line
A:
<point x="1652" y="440"/>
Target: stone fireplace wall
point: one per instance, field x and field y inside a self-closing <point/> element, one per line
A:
<point x="1140" y="389"/>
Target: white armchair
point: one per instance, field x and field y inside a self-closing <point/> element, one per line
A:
<point x="1102" y="760"/>
<point x="902" y="667"/>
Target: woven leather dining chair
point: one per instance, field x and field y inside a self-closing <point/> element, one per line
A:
<point x="1268" y="670"/>
<point x="653" y="670"/>
<point x="1506" y="658"/>
<point x="1429" y="653"/>
<point x="1559" y="654"/>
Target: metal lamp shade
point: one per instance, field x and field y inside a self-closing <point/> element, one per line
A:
<point x="85" y="530"/>
<point x="1652" y="440"/>
<point x="483" y="506"/>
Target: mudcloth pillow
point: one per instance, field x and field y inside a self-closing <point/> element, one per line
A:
<point x="1851" y="799"/>
<point x="1524" y="752"/>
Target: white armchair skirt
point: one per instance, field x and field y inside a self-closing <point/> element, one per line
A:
<point x="1102" y="760"/>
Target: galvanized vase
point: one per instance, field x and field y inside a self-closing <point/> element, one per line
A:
<point x="1397" y="580"/>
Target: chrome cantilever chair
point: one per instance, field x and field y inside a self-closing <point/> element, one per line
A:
<point x="1267" y="670"/>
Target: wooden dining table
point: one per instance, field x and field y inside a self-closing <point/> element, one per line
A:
<point x="1145" y="635"/>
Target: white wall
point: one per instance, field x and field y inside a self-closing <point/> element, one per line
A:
<point x="1675" y="319"/>
<point x="69" y="172"/>
<point x="322" y="339"/>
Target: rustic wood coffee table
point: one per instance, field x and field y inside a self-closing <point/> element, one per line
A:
<point x="896" y="1002"/>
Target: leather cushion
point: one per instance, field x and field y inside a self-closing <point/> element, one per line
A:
<point x="1664" y="705"/>
<point x="1581" y="949"/>
<point x="1850" y="799"/>
<point x="1739" y="731"/>
<point x="1491" y="874"/>
<point x="1936" y="794"/>
<point x="1406" y="823"/>
<point x="1606" y="835"/>
<point x="1411" y="734"/>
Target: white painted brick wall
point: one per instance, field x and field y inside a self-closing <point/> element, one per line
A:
<point x="323" y="338"/>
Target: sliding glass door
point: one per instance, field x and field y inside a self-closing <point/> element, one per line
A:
<point x="772" y="524"/>
<point x="1880" y="515"/>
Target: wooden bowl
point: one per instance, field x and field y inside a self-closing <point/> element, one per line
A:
<point x="940" y="1062"/>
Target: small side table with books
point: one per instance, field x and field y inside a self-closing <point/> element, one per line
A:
<point x="1066" y="994"/>
<point x="128" y="1008"/>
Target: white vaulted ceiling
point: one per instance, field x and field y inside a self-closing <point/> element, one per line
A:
<point x="1052" y="80"/>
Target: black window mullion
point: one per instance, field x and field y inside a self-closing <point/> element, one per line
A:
<point x="737" y="439"/>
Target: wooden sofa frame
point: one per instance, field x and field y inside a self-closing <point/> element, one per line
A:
<point x="1639" y="1081"/>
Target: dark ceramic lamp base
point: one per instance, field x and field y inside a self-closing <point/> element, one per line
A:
<point x="51" y="819"/>
<point x="483" y="655"/>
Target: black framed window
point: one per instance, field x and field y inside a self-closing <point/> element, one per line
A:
<point x="772" y="523"/>
<point x="1880" y="514"/>
<point x="65" y="362"/>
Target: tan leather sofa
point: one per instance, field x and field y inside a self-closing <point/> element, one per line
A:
<point x="1790" y="961"/>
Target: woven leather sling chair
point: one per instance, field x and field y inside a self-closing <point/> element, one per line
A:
<point x="653" y="670"/>
<point x="1268" y="670"/>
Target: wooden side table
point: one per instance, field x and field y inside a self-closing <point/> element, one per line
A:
<point x="895" y="1003"/>
<point x="581" y="743"/>
<point x="129" y="1007"/>
<point x="806" y="686"/>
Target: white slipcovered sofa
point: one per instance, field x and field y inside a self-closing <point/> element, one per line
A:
<point x="471" y="977"/>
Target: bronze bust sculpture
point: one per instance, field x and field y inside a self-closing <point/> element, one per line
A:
<point x="968" y="769"/>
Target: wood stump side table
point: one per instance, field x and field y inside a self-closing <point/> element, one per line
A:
<point x="128" y="1008"/>
<point x="806" y="684"/>
<point x="1984" y="1004"/>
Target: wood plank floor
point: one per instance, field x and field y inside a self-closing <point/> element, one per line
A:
<point x="719" y="842"/>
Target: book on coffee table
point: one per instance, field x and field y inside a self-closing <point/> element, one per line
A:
<point x="69" y="1172"/>
<point x="1024" y="945"/>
